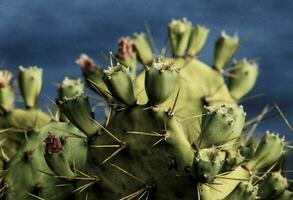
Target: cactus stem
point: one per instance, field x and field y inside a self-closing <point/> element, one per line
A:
<point x="129" y="174"/>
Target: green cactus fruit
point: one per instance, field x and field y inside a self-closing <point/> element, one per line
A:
<point x="243" y="191"/>
<point x="264" y="156"/>
<point x="197" y="40"/>
<point x="6" y="91"/>
<point x="243" y="77"/>
<point x="126" y="55"/>
<point x="221" y="124"/>
<point x="30" y="84"/>
<point x="67" y="89"/>
<point x="40" y="168"/>
<point x="142" y="48"/>
<point x="226" y="46"/>
<point x="179" y="33"/>
<point x="93" y="75"/>
<point x="161" y="79"/>
<point x="78" y="110"/>
<point x="272" y="186"/>
<point x="70" y="88"/>
<point x="120" y="84"/>
<point x="207" y="164"/>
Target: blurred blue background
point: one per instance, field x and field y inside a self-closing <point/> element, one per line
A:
<point x="52" y="34"/>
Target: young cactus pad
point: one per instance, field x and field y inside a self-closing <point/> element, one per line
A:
<point x="173" y="129"/>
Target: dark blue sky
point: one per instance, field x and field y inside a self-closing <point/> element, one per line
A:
<point x="52" y="34"/>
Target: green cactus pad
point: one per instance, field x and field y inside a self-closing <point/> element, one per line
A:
<point x="225" y="47"/>
<point x="264" y="156"/>
<point x="30" y="84"/>
<point x="197" y="40"/>
<point x="243" y="77"/>
<point x="179" y="33"/>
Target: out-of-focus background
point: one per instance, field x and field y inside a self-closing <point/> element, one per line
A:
<point x="52" y="34"/>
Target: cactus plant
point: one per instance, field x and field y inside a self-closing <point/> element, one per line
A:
<point x="174" y="129"/>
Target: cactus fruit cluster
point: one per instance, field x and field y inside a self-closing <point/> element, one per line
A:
<point x="173" y="129"/>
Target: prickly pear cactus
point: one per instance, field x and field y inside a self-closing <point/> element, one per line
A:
<point x="174" y="129"/>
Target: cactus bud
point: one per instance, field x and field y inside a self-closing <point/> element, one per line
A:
<point x="93" y="75"/>
<point x="78" y="110"/>
<point x="244" y="75"/>
<point x="197" y="40"/>
<point x="142" y="48"/>
<point x="70" y="88"/>
<point x="221" y="124"/>
<point x="269" y="150"/>
<point x="30" y="84"/>
<point x="160" y="81"/>
<point x="272" y="186"/>
<point x="207" y="164"/>
<point x="120" y="84"/>
<point x="126" y="55"/>
<point x="6" y="92"/>
<point x="225" y="48"/>
<point x="87" y="64"/>
<point x="179" y="33"/>
<point x="243" y="191"/>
